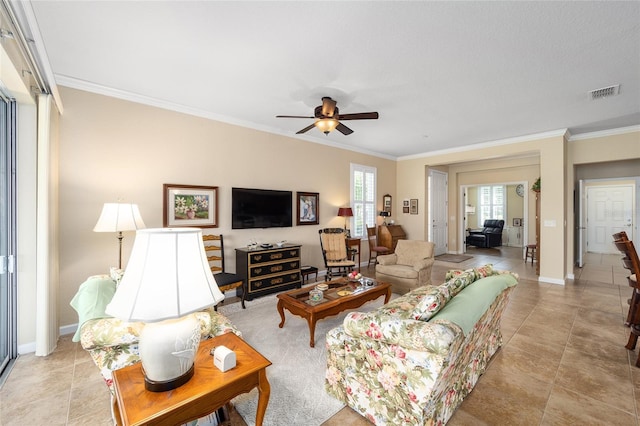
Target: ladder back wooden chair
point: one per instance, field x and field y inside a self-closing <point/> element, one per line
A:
<point x="374" y="248"/>
<point x="631" y="262"/>
<point x="333" y="243"/>
<point x="635" y="295"/>
<point x="214" y="248"/>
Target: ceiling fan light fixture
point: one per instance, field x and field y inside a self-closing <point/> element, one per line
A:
<point x="327" y="125"/>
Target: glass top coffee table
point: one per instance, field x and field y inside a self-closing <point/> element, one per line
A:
<point x="340" y="296"/>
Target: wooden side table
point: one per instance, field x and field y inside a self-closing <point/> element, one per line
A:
<point x="208" y="389"/>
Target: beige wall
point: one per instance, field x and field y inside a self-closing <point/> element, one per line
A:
<point x="549" y="150"/>
<point x="114" y="150"/>
<point x="552" y="158"/>
<point x="609" y="148"/>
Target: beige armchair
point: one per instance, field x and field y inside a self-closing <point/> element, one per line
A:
<point x="409" y="267"/>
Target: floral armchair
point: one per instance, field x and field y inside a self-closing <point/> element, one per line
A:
<point x="113" y="343"/>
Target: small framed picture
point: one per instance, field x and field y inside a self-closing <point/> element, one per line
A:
<point x="307" y="208"/>
<point x="190" y="205"/>
<point x="413" y="206"/>
<point x="517" y="221"/>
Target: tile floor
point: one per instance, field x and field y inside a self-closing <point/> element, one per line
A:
<point x="563" y="361"/>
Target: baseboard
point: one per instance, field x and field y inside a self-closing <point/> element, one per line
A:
<point x="30" y="347"/>
<point x="551" y="280"/>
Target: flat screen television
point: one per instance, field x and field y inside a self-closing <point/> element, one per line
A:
<point x="260" y="208"/>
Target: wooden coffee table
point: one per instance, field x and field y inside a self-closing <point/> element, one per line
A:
<point x="208" y="389"/>
<point x="342" y="295"/>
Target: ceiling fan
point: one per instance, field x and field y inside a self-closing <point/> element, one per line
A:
<point x="328" y="118"/>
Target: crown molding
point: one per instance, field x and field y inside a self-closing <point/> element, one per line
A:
<point x="491" y="144"/>
<point x="87" y="86"/>
<point x="604" y="133"/>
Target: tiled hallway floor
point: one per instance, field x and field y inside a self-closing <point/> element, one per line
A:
<point x="563" y="361"/>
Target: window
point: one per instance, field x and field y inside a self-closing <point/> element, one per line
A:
<point x="363" y="199"/>
<point x="491" y="200"/>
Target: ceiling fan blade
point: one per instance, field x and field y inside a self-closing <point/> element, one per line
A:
<point x="343" y="129"/>
<point x="292" y="116"/>
<point x="328" y="107"/>
<point x="360" y="116"/>
<point x="306" y="129"/>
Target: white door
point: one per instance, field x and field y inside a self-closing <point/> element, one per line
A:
<point x="581" y="225"/>
<point x="438" y="210"/>
<point x="609" y="210"/>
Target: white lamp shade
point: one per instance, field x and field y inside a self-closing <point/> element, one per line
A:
<point x="168" y="276"/>
<point x="116" y="217"/>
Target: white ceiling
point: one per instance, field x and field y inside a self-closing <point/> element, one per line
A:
<point x="441" y="74"/>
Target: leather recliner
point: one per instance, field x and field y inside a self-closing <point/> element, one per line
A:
<point x="489" y="236"/>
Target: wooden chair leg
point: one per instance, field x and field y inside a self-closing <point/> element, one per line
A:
<point x="633" y="307"/>
<point x="633" y="339"/>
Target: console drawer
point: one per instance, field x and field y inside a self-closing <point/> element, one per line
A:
<point x="276" y="281"/>
<point x="274" y="268"/>
<point x="273" y="256"/>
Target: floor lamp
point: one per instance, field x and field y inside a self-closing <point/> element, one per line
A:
<point x="119" y="217"/>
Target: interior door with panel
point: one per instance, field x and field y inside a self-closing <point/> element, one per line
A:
<point x="609" y="210"/>
<point x="438" y="211"/>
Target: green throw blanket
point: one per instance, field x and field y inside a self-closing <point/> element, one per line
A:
<point x="91" y="300"/>
<point x="466" y="308"/>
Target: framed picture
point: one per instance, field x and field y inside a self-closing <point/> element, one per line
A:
<point x="405" y="206"/>
<point x="386" y="203"/>
<point x="517" y="221"/>
<point x="307" y="208"/>
<point x="413" y="206"/>
<point x="190" y="205"/>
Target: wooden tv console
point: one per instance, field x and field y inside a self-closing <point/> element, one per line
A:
<point x="269" y="270"/>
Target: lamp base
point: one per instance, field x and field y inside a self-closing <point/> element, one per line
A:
<point x="167" y="385"/>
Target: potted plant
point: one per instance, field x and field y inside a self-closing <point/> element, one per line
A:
<point x="536" y="186"/>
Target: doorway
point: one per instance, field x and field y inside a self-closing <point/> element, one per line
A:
<point x="510" y="204"/>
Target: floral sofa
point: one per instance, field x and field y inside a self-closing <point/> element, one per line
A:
<point x="113" y="343"/>
<point x="413" y="360"/>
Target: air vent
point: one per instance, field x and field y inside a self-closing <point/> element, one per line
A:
<point x="605" y="92"/>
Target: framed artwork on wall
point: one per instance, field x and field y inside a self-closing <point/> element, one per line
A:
<point x="517" y="221"/>
<point x="190" y="205"/>
<point x="386" y="203"/>
<point x="405" y="206"/>
<point x="307" y="208"/>
<point x="413" y="206"/>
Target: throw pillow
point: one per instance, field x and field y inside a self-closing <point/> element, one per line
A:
<point x="431" y="303"/>
<point x="484" y="271"/>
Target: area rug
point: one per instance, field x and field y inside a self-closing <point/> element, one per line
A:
<point x="453" y="258"/>
<point x="297" y="372"/>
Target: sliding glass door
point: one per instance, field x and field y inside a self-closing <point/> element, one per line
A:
<point x="8" y="341"/>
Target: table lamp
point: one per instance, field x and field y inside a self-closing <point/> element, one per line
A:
<point x="167" y="278"/>
<point x="345" y="212"/>
<point x="385" y="214"/>
<point x="118" y="217"/>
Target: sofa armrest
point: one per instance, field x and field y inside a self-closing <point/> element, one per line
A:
<point x="424" y="264"/>
<point x="387" y="259"/>
<point x="112" y="332"/>
<point x="413" y="334"/>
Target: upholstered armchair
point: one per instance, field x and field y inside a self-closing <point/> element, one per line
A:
<point x="113" y="343"/>
<point x="489" y="236"/>
<point x="409" y="267"/>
